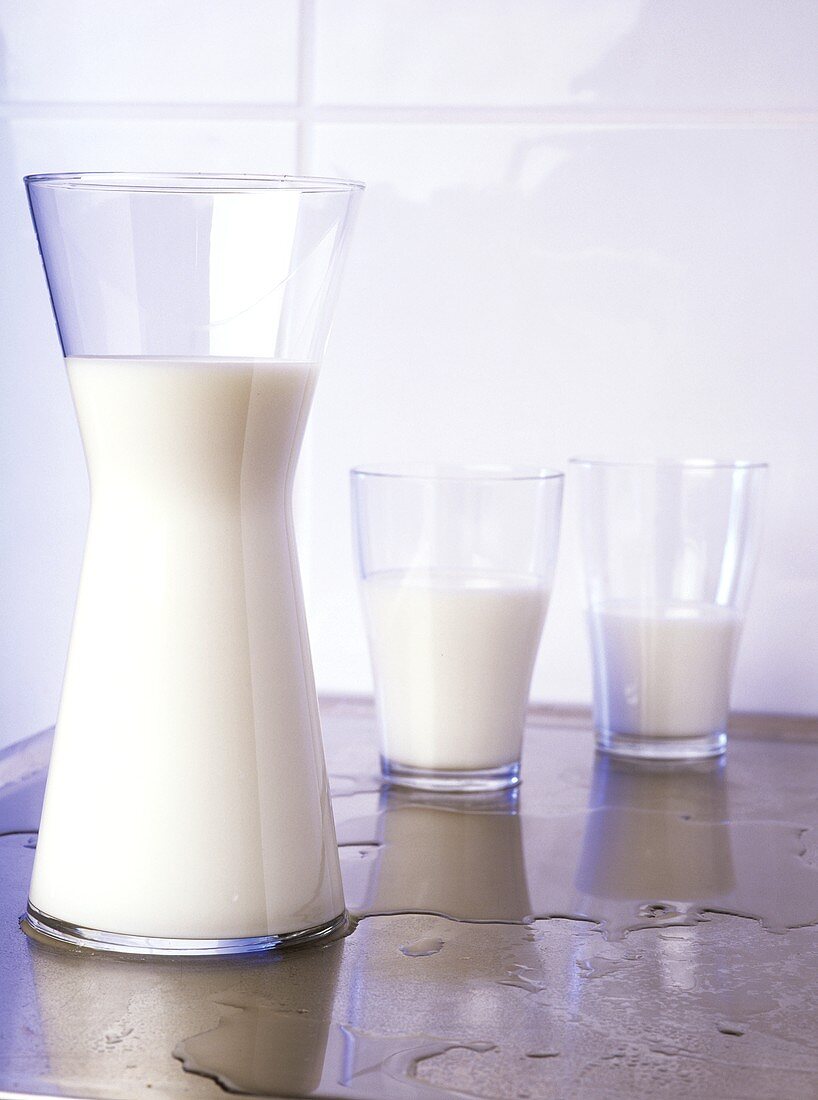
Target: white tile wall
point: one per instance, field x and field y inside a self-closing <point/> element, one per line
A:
<point x="589" y="227"/>
<point x="151" y="51"/>
<point x="579" y="53"/>
<point x="527" y="294"/>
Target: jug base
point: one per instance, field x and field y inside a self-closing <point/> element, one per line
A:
<point x="44" y="928"/>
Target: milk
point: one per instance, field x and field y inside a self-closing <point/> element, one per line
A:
<point x="663" y="671"/>
<point x="452" y="655"/>
<point x="187" y="795"/>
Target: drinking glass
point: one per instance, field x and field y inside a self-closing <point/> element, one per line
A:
<point x="187" y="808"/>
<point x="455" y="566"/>
<point x="669" y="549"/>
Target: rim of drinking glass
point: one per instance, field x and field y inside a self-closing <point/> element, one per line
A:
<point x="446" y="471"/>
<point x="190" y="182"/>
<point x="676" y="463"/>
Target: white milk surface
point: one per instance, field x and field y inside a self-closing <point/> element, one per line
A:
<point x="663" y="671"/>
<point x="187" y="795"/>
<point x="452" y="655"/>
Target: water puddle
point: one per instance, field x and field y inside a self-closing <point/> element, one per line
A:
<point x="387" y="1065"/>
<point x="600" y="966"/>
<point x="518" y="979"/>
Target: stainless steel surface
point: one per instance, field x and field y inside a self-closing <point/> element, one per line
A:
<point x="619" y="930"/>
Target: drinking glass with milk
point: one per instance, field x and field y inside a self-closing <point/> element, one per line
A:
<point x="669" y="550"/>
<point x="456" y="565"/>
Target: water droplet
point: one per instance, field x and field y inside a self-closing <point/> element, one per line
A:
<point x="420" y="948"/>
<point x="658" y="911"/>
<point x="600" y="966"/>
<point x="731" y="1029"/>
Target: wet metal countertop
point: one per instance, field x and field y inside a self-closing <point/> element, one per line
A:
<point x="615" y="930"/>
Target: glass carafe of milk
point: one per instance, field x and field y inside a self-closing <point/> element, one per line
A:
<point x="187" y="807"/>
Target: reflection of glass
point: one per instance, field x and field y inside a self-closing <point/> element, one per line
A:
<point x="460" y="858"/>
<point x="456" y="566"/>
<point x="656" y="832"/>
<point x="272" y="1038"/>
<point x="187" y="806"/>
<point x="266" y="1049"/>
<point x="669" y="551"/>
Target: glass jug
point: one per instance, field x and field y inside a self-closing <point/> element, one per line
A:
<point x="187" y="807"/>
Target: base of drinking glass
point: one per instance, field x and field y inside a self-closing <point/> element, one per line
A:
<point x="645" y="747"/>
<point x="449" y="780"/>
<point x="41" y="926"/>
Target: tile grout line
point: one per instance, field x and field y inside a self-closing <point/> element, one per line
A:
<point x="305" y="80"/>
<point x="305" y="113"/>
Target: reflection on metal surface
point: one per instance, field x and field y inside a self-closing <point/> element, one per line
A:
<point x="632" y="979"/>
<point x="661" y="847"/>
<point x="657" y="840"/>
<point x="656" y="831"/>
<point x="655" y="847"/>
<point x="457" y="855"/>
<point x="260" y="1048"/>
